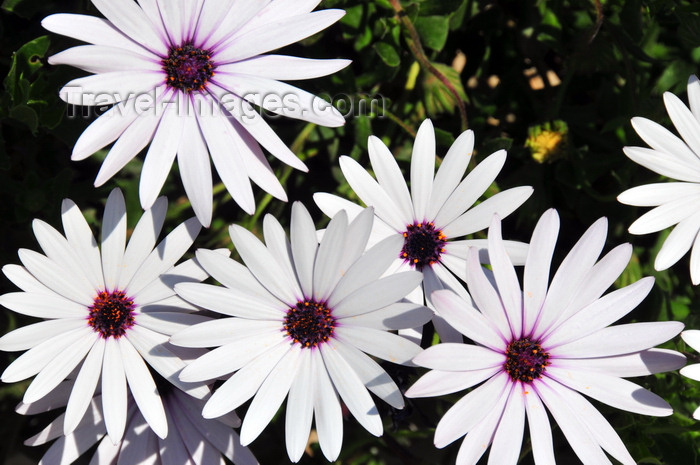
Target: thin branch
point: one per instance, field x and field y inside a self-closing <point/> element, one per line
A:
<point x="417" y="49"/>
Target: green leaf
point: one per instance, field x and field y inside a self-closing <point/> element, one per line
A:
<point x="387" y="53"/>
<point x="433" y="31"/>
<point x="25" y="115"/>
<point x="439" y="8"/>
<point x="25" y="63"/>
<point x="24" y="8"/>
<point x="438" y="98"/>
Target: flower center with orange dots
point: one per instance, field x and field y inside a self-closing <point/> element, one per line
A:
<point x="525" y="360"/>
<point x="188" y="68"/>
<point x="309" y="323"/>
<point x="111" y="314"/>
<point x="423" y="244"/>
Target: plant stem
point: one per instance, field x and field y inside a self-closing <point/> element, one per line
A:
<point x="416" y="47"/>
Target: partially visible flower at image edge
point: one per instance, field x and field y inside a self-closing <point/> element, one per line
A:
<point x="191" y="439"/>
<point x="302" y="317"/>
<point x="692" y="338"/>
<point x="439" y="208"/>
<point x="108" y="311"/>
<point x="676" y="203"/>
<point x="538" y="349"/>
<point x="197" y="67"/>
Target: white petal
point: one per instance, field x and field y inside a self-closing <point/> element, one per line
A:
<point x="29" y="336"/>
<point x="506" y="279"/>
<point x="164" y="256"/>
<point x="274" y="35"/>
<point x="450" y="172"/>
<point x="43" y="306"/>
<point x="540" y="430"/>
<point x="678" y="242"/>
<point x="537" y="267"/>
<point x="646" y="362"/>
<point x="485" y="296"/>
<point x="471" y="188"/>
<point x="37" y="358"/>
<point x="21" y="278"/>
<point x="231" y="356"/>
<point x="663" y="163"/>
<point x="329" y="417"/>
<point x="228" y="302"/>
<point x="104" y="59"/>
<point x="570" y="273"/>
<point x="244" y="383"/>
<point x="373" y="195"/>
<point x="604" y="311"/>
<point x="90" y="29"/>
<point x="219" y="136"/>
<point x="113" y="238"/>
<point x="471" y="409"/>
<point x="422" y="169"/>
<point x="467" y="320"/>
<point x="300" y="407"/>
<point x="580" y="438"/>
<point x="621" y="339"/>
<point x="352" y="390"/>
<point x="161" y="356"/>
<point x="60" y="367"/>
<point x="381" y="344"/>
<point x="143" y="388"/>
<point x="614" y="391"/>
<point x="371" y="374"/>
<point x="57" y="278"/>
<point x="284" y="68"/>
<point x="142" y="240"/>
<point x="113" y="391"/>
<point x="378" y="294"/>
<point x="195" y="170"/>
<point x="692" y="338"/>
<point x="663" y="140"/>
<point x="389" y="176"/>
<point x="80" y="238"/>
<point x="508" y="439"/>
<point x="270" y="395"/>
<point x="84" y="387"/>
<point x="652" y="195"/>
<point x="259" y="261"/>
<point x="161" y="154"/>
<point x="502" y="204"/>
<point x="665" y="215"/>
<point x="326" y="267"/>
<point x="368" y="268"/>
<point x="400" y="315"/>
<point x="684" y="121"/>
<point x="459" y="357"/>
<point x="437" y="383"/>
<point x="110" y="88"/>
<point x="132" y="21"/>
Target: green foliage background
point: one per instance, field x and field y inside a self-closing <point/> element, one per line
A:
<point x="516" y="65"/>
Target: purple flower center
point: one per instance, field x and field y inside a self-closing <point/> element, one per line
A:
<point x="188" y="68"/>
<point x="111" y="314"/>
<point x="309" y="323"/>
<point x="423" y="244"/>
<point x="525" y="360"/>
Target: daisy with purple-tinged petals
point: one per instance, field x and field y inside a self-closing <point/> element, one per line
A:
<point x="108" y="311"/>
<point x="191" y="439"/>
<point x="692" y="338"/>
<point x="303" y="316"/>
<point x="184" y="75"/>
<point x="437" y="210"/>
<point x="538" y="349"/>
<point x="676" y="203"/>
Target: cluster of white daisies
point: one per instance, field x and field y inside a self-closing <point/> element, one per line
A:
<point x="150" y="363"/>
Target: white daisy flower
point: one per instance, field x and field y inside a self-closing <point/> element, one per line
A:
<point x="303" y="315"/>
<point x="436" y="210"/>
<point x="107" y="311"/>
<point x="191" y="439"/>
<point x="544" y="346"/>
<point x="692" y="338"/>
<point x="675" y="202"/>
<point x="184" y="74"/>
